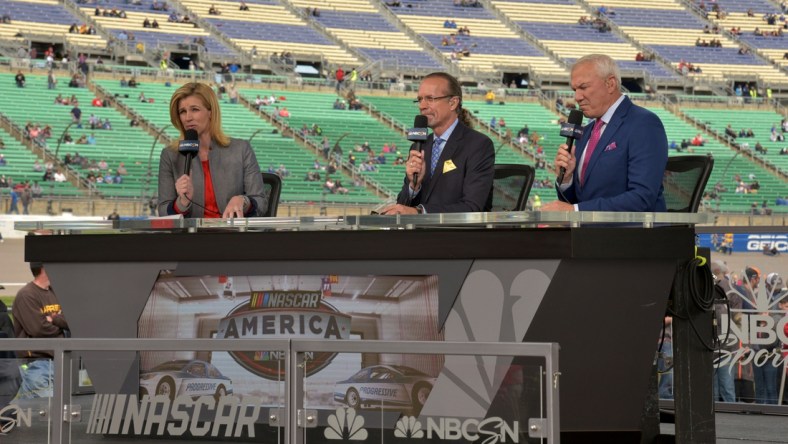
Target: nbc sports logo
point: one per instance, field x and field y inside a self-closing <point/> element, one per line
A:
<point x="408" y="427"/>
<point x="345" y="425"/>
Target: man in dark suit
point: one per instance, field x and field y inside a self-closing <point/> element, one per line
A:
<point x="621" y="157"/>
<point x="455" y="171"/>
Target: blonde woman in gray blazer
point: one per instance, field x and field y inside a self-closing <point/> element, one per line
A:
<point x="235" y="188"/>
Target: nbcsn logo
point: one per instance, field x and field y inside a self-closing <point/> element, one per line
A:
<point x="344" y="424"/>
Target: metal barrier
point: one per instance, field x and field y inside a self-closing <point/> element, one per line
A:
<point x="294" y="418"/>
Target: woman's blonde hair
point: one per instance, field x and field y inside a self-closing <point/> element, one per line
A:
<point x="209" y="100"/>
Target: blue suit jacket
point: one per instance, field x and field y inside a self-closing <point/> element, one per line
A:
<point x="626" y="168"/>
<point x="467" y="187"/>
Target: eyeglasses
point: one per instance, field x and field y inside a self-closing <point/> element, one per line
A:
<point x="430" y="100"/>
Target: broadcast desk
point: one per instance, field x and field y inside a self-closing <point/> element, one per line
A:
<point x="597" y="284"/>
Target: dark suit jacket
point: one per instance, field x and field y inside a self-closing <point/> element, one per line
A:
<point x="234" y="172"/>
<point x="626" y="168"/>
<point x="465" y="189"/>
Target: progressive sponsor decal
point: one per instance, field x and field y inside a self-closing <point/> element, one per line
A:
<point x="283" y="314"/>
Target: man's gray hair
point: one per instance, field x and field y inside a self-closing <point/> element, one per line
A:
<point x="605" y="66"/>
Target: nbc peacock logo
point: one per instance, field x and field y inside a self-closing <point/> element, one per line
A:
<point x="408" y="427"/>
<point x="345" y="425"/>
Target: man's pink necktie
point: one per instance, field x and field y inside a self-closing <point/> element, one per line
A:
<point x="596" y="133"/>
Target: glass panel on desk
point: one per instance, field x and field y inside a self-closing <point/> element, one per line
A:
<point x="25" y="400"/>
<point x="376" y="397"/>
<point x="201" y="396"/>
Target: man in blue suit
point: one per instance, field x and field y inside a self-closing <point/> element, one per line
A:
<point x="619" y="162"/>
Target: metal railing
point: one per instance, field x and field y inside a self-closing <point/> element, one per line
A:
<point x="61" y="412"/>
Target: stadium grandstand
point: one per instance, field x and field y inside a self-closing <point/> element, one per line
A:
<point x="266" y="56"/>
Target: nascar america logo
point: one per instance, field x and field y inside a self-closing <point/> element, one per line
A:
<point x="283" y="314"/>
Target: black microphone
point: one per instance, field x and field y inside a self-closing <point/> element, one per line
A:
<point x="418" y="134"/>
<point x="573" y="129"/>
<point x="189" y="146"/>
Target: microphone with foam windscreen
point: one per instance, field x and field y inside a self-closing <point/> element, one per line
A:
<point x="189" y="146"/>
<point x="573" y="129"/>
<point x="417" y="135"/>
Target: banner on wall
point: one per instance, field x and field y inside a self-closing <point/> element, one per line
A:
<point x="745" y="243"/>
<point x="327" y="307"/>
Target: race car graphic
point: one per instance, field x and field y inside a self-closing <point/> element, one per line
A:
<point x="185" y="377"/>
<point x="385" y="385"/>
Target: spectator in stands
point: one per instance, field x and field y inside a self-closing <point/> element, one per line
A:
<point x="133" y="82"/>
<point x="36" y="189"/>
<point x="339" y="76"/>
<point x="121" y="171"/>
<point x="329" y="185"/>
<point x="489" y="98"/>
<point x="76" y="116"/>
<point x="208" y="192"/>
<point x="233" y="94"/>
<point x="633" y="183"/>
<point x="698" y="140"/>
<point x="6" y="19"/>
<point x="284" y="113"/>
<point x="354" y="105"/>
<point x="83" y="140"/>
<point x="213" y="10"/>
<point x="730" y="132"/>
<point x="20" y="79"/>
<point x="154" y="24"/>
<point x="59" y="176"/>
<point x="106" y="125"/>
<point x="243" y="7"/>
<point x="134" y="121"/>
<point x="51" y="80"/>
<point x="461" y="180"/>
<point x="146" y="23"/>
